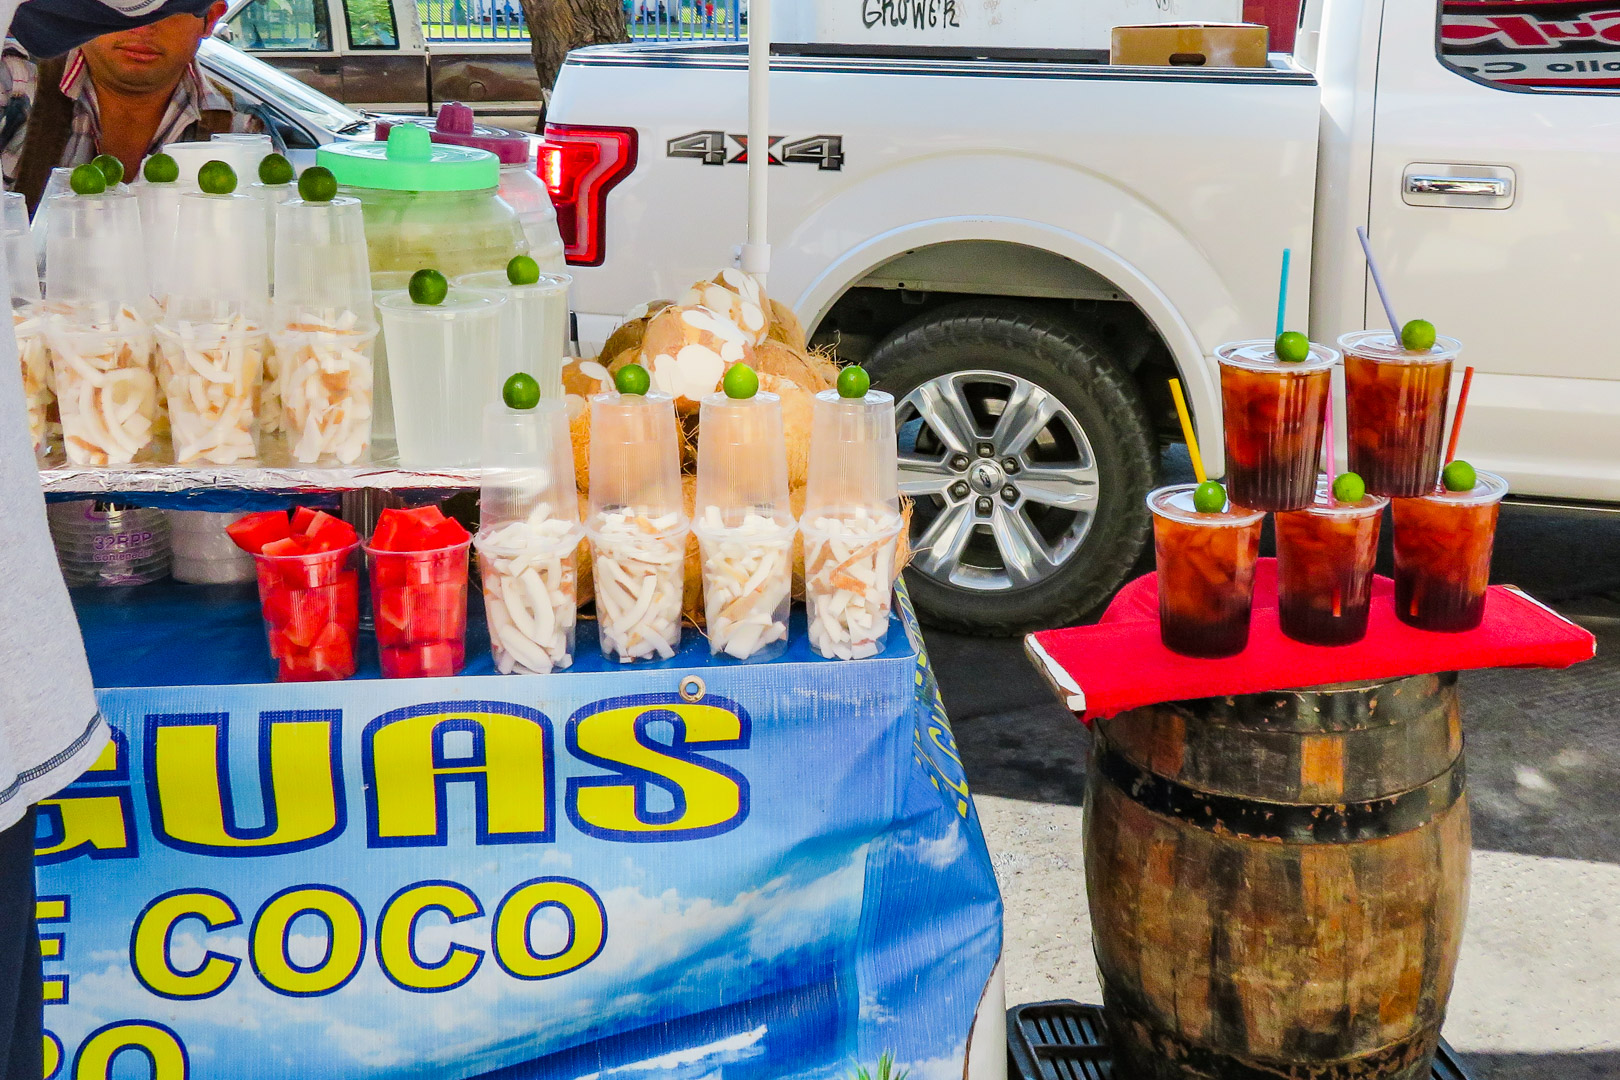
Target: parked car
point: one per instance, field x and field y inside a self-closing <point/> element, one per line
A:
<point x="1025" y="244"/>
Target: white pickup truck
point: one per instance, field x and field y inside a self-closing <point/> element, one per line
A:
<point x="1025" y="244"/>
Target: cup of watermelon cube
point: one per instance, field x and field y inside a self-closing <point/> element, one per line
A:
<point x="419" y="604"/>
<point x="311" y="606"/>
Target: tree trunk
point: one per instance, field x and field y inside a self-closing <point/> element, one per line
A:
<point x="556" y="26"/>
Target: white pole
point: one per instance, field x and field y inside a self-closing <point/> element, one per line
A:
<point x="756" y="251"/>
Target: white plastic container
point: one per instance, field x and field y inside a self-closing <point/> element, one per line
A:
<point x="201" y="551"/>
<point x="444" y="368"/>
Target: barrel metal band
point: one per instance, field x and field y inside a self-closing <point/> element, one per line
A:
<point x="1296" y="823"/>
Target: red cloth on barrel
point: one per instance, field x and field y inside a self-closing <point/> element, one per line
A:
<point x="1120" y="663"/>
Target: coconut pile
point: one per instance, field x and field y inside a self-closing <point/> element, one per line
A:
<point x="687" y="346"/>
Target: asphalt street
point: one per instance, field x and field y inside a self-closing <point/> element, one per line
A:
<point x="1538" y="986"/>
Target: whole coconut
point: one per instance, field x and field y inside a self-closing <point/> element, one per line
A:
<point x="798" y="410"/>
<point x="786" y="327"/>
<point x="582" y="378"/>
<point x="811" y="371"/>
<point x="737" y="296"/>
<point x="629" y="335"/>
<point x="687" y="350"/>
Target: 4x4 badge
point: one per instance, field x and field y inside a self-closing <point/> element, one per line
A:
<point x="826" y="152"/>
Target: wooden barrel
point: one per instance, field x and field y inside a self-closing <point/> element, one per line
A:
<point x="1278" y="881"/>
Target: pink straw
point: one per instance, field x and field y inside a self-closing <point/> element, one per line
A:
<point x="1327" y="454"/>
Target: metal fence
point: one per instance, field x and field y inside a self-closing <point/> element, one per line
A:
<point x="647" y="20"/>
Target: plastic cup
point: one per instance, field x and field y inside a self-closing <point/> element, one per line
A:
<point x="529" y="538"/>
<point x="27" y="318"/>
<point x="419" y="605"/>
<point x="1325" y="556"/>
<point x="211" y="373"/>
<point x="271" y="196"/>
<point x="311" y="607"/>
<point x="1443" y="545"/>
<point x="1395" y="410"/>
<point x="536" y="325"/>
<point x="444" y="367"/>
<point x="95" y="258"/>
<point x="106" y="391"/>
<point x="160" y="217"/>
<point x="637" y="525"/>
<point x="383" y="282"/>
<point x="221" y="269"/>
<point x="1206" y="573"/>
<point x="851" y="523"/>
<point x="744" y="524"/>
<point x="1274" y="413"/>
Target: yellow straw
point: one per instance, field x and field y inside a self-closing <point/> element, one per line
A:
<point x="1187" y="430"/>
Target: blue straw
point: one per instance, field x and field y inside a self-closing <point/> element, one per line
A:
<point x="1378" y="281"/>
<point x="1282" y="292"/>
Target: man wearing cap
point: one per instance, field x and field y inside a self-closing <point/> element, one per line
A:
<point x="125" y="93"/>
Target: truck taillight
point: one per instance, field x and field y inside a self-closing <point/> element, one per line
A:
<point x="579" y="166"/>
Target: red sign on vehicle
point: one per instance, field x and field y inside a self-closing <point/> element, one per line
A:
<point x="1555" y="44"/>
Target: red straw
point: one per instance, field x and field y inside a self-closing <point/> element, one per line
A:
<point x="1456" y="421"/>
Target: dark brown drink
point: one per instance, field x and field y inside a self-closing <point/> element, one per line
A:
<point x="1395" y="411"/>
<point x="1273" y="414"/>
<point x="1443" y="545"/>
<point x="1206" y="573"/>
<point x="1325" y="556"/>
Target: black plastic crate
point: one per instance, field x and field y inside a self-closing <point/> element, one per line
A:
<point x="1065" y="1040"/>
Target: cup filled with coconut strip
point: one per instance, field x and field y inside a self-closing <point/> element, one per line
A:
<point x="530" y="531"/>
<point x="743" y="519"/>
<point x="851" y="521"/>
<point x="320" y="371"/>
<point x="27" y="315"/>
<point x="637" y="522"/>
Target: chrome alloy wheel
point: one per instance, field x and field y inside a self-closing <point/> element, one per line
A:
<point x="1003" y="476"/>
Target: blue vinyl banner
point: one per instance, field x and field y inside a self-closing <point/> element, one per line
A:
<point x="689" y="870"/>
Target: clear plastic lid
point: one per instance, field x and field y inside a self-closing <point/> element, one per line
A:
<point x="536" y="325"/>
<point x="1488" y="488"/>
<point x="853" y="461"/>
<point x="635" y="456"/>
<point x="1176" y="503"/>
<point x="221" y="269"/>
<point x="1260" y="355"/>
<point x="1385" y="347"/>
<point x="1324" y="506"/>
<point x="19" y="250"/>
<point x="742" y="462"/>
<point x="95" y="258"/>
<point x="321" y="267"/>
<point x="528" y="461"/>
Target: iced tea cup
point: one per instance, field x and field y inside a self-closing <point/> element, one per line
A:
<point x="311" y="607"/>
<point x="1395" y="410"/>
<point x="1206" y="573"/>
<point x="1325" y="556"/>
<point x="1443" y="547"/>
<point x="1274" y="413"/>
<point x="419" y="604"/>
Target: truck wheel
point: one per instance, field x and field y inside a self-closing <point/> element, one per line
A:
<point x="1028" y="455"/>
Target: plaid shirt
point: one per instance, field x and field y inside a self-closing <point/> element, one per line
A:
<point x="19" y="79"/>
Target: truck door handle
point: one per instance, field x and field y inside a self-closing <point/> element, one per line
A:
<point x="1488" y="187"/>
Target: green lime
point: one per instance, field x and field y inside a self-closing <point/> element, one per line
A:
<point x="632" y="379"/>
<point x="1348" y="487"/>
<point x="1459" y="476"/>
<point x="87" y="180"/>
<point x="317" y="184"/>
<point x="854" y="382"/>
<point x="522" y="391"/>
<point x="427" y="286"/>
<point x="161" y="169"/>
<point x="275" y="169"/>
<point x="1418" y="335"/>
<point x="741" y="382"/>
<point x="1293" y="347"/>
<point x="1209" y="498"/>
<point x="522" y="270"/>
<point x="216" y="178"/>
<point x="110" y="167"/>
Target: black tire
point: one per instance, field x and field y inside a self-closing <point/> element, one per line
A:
<point x="967" y="351"/>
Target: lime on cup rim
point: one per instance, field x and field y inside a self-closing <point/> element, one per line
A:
<point x="1418" y="336"/>
<point x="1459" y="475"/>
<point x="1348" y="487"/>
<point x="853" y="383"/>
<point x="428" y="287"/>
<point x="275" y="170"/>
<point x="632" y="379"/>
<point x="522" y="270"/>
<point x="216" y="178"/>
<point x="317" y="184"/>
<point x="1209" y="497"/>
<point x="522" y="391"/>
<point x="740" y="383"/>
<point x="161" y="169"/>
<point x="111" y="168"/>
<point x="1292" y="347"/>
<point x="87" y="180"/>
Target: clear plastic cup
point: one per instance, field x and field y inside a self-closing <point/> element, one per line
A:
<point x="637" y="525"/>
<point x="744" y="524"/>
<point x="529" y="537"/>
<point x="203" y="553"/>
<point x="243" y="151"/>
<point x="160" y="219"/>
<point x="1443" y="544"/>
<point x="536" y="321"/>
<point x="311" y="608"/>
<point x="1395" y="410"/>
<point x="106" y="391"/>
<point x="1205" y="573"/>
<point x="95" y="258"/>
<point x="1274" y="412"/>
<point x="851" y="523"/>
<point x="102" y="543"/>
<point x="1325" y="556"/>
<point x="271" y="196"/>
<point x="27" y="316"/>
<point x="419" y="605"/>
<point x="444" y="367"/>
<point x="383" y="282"/>
<point x="221" y="269"/>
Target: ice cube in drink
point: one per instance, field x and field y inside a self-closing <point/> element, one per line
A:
<point x="1325" y="556"/>
<point x="1274" y="412"/>
<point x="1206" y="572"/>
<point x="1395" y="408"/>
<point x="1443" y="547"/>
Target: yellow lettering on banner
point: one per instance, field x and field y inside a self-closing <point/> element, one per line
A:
<point x="708" y="797"/>
<point x="301" y="807"/>
<point x="52" y="1055"/>
<point x="345" y="941"/>
<point x="95" y="822"/>
<point x="587" y="928"/>
<point x="406" y="772"/>
<point x="161" y="1047"/>
<point x="149" y="945"/>
<point x="396" y="937"/>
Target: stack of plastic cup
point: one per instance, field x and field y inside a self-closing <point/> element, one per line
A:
<point x="536" y="325"/>
<point x="202" y="552"/>
<point x="311" y="607"/>
<point x="100" y="543"/>
<point x="851" y="524"/>
<point x="444" y="367"/>
<point x="27" y="317"/>
<point x="744" y="525"/>
<point x="272" y="196"/>
<point x="160" y="215"/>
<point x="100" y="335"/>
<point x="637" y="525"/>
<point x="419" y="606"/>
<point x="383" y="282"/>
<point x="528" y="537"/>
<point x="212" y="337"/>
<point x="319" y="383"/>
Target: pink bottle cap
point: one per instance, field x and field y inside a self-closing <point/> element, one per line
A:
<point x="456" y="126"/>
